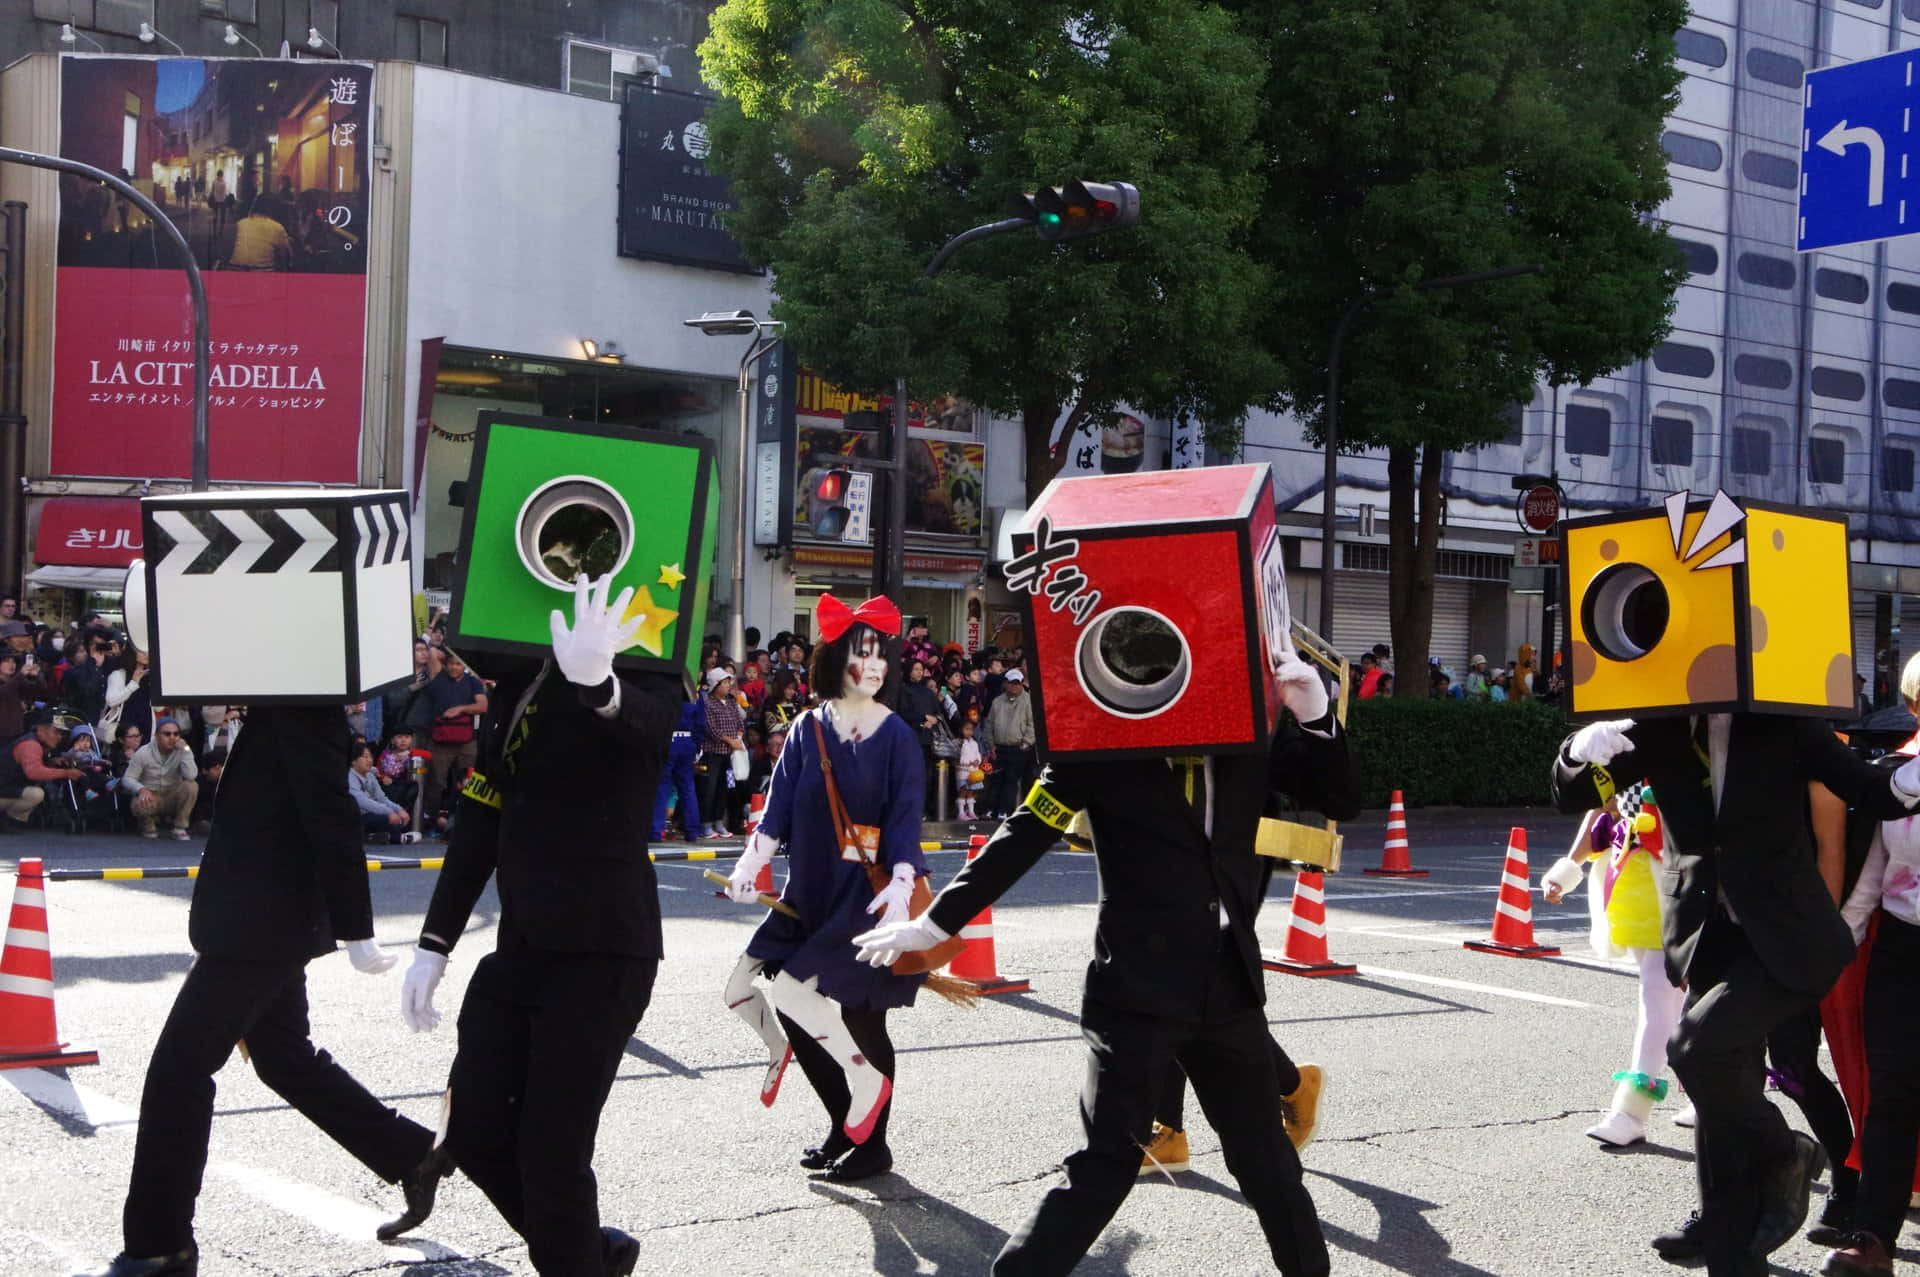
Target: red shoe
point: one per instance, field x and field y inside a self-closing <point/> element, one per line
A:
<point x="858" y="1132"/>
<point x="770" y="1084"/>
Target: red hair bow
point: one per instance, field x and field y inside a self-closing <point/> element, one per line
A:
<point x="836" y="618"/>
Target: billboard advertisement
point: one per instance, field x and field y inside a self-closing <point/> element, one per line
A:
<point x="261" y="164"/>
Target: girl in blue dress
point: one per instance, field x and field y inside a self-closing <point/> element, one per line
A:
<point x="828" y="1010"/>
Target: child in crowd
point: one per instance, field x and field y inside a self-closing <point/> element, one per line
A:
<point x="396" y="768"/>
<point x="971" y="770"/>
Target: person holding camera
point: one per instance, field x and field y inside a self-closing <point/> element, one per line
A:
<point x="20" y="686"/>
<point x="455" y="699"/>
<point x="128" y="703"/>
<point x="84" y="684"/>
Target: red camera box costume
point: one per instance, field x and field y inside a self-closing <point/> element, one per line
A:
<point x="1154" y="563"/>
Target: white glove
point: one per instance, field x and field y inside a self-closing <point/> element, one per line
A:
<point x="368" y="956"/>
<point x="757" y="855"/>
<point x="1301" y="688"/>
<point x="896" y="895"/>
<point x="600" y="632"/>
<point x="1906" y="782"/>
<point x="882" y="946"/>
<point x="1563" y="877"/>
<point x="1599" y="743"/>
<point x="416" y="990"/>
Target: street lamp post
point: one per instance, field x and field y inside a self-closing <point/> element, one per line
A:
<point x="722" y="323"/>
<point x="1330" y="476"/>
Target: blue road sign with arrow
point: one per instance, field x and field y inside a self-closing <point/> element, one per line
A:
<point x="1859" y="174"/>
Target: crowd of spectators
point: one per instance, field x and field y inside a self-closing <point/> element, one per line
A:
<point x="1515" y="681"/>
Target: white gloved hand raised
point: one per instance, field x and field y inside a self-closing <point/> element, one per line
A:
<point x="600" y="632"/>
<point x="757" y="855"/>
<point x="1599" y="743"/>
<point x="882" y="946"/>
<point x="416" y="990"/>
<point x="1301" y="688"/>
<point x="368" y="956"/>
<point x="896" y="895"/>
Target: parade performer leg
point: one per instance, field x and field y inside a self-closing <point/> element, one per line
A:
<point x="838" y="1155"/>
<point x="745" y="1000"/>
<point x="819" y="1019"/>
<point x="1127" y="1058"/>
<point x="1793" y="1050"/>
<point x="1887" y="1141"/>
<point x="1242" y="1100"/>
<point x="1641" y="1086"/>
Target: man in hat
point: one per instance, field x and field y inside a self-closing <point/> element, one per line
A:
<point x="283" y="878"/>
<point x="1010" y="736"/>
<point x="1476" y="683"/>
<point x="24" y="774"/>
<point x="162" y="778"/>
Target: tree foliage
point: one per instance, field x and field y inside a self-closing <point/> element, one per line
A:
<point x="860" y="135"/>
<point x="1414" y="140"/>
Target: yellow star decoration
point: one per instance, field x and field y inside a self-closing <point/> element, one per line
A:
<point x="652" y="635"/>
<point x="671" y="575"/>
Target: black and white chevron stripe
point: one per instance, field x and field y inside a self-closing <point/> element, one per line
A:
<point x="383" y="533"/>
<point x="288" y="539"/>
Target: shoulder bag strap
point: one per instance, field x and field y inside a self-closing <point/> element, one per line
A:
<point x="842" y="825"/>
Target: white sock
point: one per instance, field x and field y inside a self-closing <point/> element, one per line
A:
<point x="819" y="1015"/>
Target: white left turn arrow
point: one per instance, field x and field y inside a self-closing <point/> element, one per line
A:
<point x="1840" y="137"/>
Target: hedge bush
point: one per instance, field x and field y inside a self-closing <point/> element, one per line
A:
<point x="1456" y="753"/>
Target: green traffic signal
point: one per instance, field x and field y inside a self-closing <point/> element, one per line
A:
<point x="1078" y="208"/>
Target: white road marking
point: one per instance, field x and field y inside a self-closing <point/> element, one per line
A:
<point x="1467" y="986"/>
<point x="339" y="1216"/>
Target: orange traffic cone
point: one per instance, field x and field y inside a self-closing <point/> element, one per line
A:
<point x="756" y="808"/>
<point x="28" y="1038"/>
<point x="975" y="961"/>
<point x="1396" y="861"/>
<point x="1513" y="911"/>
<point x="1306" y="951"/>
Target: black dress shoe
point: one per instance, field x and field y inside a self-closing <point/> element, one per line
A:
<point x="181" y="1263"/>
<point x="827" y="1152"/>
<point x="864" y="1162"/>
<point x="622" y="1251"/>
<point x="1689" y="1241"/>
<point x="1784" y="1191"/>
<point x="1836" y="1219"/>
<point x="419" y="1186"/>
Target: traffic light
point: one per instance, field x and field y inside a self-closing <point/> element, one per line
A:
<point x="829" y="504"/>
<point x="1078" y="208"/>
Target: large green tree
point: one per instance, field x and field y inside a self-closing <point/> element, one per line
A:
<point x="860" y="135"/>
<point x="1416" y="139"/>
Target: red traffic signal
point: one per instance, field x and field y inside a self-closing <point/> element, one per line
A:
<point x="829" y="508"/>
<point x="1078" y="208"/>
<point x="832" y="486"/>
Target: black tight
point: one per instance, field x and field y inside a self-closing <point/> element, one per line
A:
<point x="869" y="1030"/>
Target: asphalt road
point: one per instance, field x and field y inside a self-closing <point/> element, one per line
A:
<point x="1450" y="1144"/>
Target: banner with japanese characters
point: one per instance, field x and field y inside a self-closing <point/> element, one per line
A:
<point x="262" y="165"/>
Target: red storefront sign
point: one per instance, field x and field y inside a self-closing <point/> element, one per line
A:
<point x="93" y="532"/>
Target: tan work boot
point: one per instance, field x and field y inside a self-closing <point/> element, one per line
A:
<point x="1166" y="1151"/>
<point x="1301" y="1110"/>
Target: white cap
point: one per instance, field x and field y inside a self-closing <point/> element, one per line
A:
<point x="717" y="675"/>
<point x="1015" y="676"/>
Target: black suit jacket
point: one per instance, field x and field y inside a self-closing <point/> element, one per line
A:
<point x="1162" y="880"/>
<point x="1756" y="847"/>
<point x="569" y="839"/>
<point x="284" y="874"/>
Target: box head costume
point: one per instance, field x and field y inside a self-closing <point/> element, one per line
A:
<point x="1701" y="606"/>
<point x="1156" y="612"/>
<point x="274" y="597"/>
<point x="547" y="500"/>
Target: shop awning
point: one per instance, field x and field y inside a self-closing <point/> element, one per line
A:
<point x="61" y="577"/>
<point x="88" y="532"/>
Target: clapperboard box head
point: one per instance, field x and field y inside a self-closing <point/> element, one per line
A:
<point x="283" y="596"/>
<point x="1157" y="612"/>
<point x="547" y="500"/>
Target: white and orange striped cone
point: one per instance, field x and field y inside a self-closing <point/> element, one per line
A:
<point x="28" y="1038"/>
<point x="1396" y="858"/>
<point x="756" y="808"/>
<point x="1513" y="911"/>
<point x="1306" y="949"/>
<point x="975" y="961"/>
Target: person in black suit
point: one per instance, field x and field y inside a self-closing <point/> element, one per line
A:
<point x="560" y="814"/>
<point x="1750" y="930"/>
<point x="1176" y="972"/>
<point x="282" y="878"/>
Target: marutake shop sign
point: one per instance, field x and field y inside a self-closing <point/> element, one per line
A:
<point x="670" y="201"/>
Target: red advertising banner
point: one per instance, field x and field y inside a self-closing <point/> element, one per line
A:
<point x="261" y="163"/>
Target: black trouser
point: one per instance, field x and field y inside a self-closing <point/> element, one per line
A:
<point x="1171" y="1110"/>
<point x="1793" y="1050"/>
<point x="1228" y="1055"/>
<point x="1012" y="774"/>
<point x="712" y="784"/>
<point x="222" y="1001"/>
<point x="829" y="1080"/>
<point x="1719" y="1054"/>
<point x="1892" y="1125"/>
<point x="541" y="1037"/>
